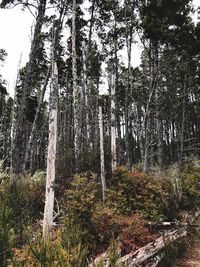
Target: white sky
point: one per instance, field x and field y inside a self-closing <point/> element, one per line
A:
<point x="15" y="31"/>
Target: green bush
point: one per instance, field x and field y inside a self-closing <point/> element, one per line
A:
<point x="191" y="186"/>
<point x="6" y="233"/>
<point x="135" y="192"/>
<point x="79" y="202"/>
<point x="63" y="249"/>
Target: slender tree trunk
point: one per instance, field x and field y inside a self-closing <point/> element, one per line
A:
<point x="183" y="122"/>
<point x="113" y="121"/>
<point x="147" y="116"/>
<point x="103" y="181"/>
<point x="86" y="95"/>
<point x="51" y="157"/>
<point x="159" y="125"/>
<point x="76" y="94"/>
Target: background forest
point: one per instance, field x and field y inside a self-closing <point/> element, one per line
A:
<point x="127" y="140"/>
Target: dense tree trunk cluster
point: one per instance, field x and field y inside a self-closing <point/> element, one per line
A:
<point x="148" y="115"/>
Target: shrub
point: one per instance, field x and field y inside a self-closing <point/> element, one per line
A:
<point x="79" y="202"/>
<point x="133" y="191"/>
<point x="63" y="249"/>
<point x="134" y="234"/>
<point x="121" y="192"/>
<point x="20" y="204"/>
<point x="107" y="224"/>
<point x="6" y="234"/>
<point x="191" y="186"/>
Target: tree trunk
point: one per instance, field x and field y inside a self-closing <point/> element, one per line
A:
<point x="103" y="181"/>
<point x="113" y="121"/>
<point x="159" y="125"/>
<point x="51" y="157"/>
<point x="182" y="132"/>
<point x="76" y="95"/>
<point x="129" y="39"/>
<point x="86" y="95"/>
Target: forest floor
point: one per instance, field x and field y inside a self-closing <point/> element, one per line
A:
<point x="191" y="258"/>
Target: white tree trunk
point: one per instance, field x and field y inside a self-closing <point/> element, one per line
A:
<point x="86" y="93"/>
<point x="51" y="157"/>
<point x="113" y="122"/>
<point x="103" y="181"/>
<point x="76" y="94"/>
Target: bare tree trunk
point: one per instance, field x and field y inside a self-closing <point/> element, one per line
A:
<point x="147" y="147"/>
<point x="76" y="94"/>
<point x="148" y="114"/>
<point x="183" y="122"/>
<point x="113" y="121"/>
<point x="51" y="157"/>
<point x="103" y="181"/>
<point x="159" y="125"/>
<point x="86" y="95"/>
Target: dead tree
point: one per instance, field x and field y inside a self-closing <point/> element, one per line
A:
<point x="51" y="157"/>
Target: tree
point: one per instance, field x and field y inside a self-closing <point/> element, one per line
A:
<point x="19" y="142"/>
<point x="52" y="144"/>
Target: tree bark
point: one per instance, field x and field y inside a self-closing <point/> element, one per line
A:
<point x="76" y="94"/>
<point x="86" y="95"/>
<point x="103" y="181"/>
<point x="113" y="121"/>
<point x="51" y="157"/>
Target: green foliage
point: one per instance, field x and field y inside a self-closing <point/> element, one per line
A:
<point x="63" y="249"/>
<point x="3" y="175"/>
<point x="122" y="191"/>
<point x="6" y="232"/>
<point x="107" y="223"/>
<point x="170" y="255"/>
<point x="79" y="202"/>
<point x="39" y="177"/>
<point x="21" y="202"/>
<point x="130" y="192"/>
<point x="113" y="255"/>
<point x="191" y="186"/>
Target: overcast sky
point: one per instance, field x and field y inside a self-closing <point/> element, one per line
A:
<point x="15" y="31"/>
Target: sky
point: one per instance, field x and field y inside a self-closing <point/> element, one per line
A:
<point x="15" y="37"/>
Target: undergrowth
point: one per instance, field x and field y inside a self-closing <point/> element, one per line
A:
<point x="86" y="225"/>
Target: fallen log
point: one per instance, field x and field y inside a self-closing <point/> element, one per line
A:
<point x="166" y="225"/>
<point x="151" y="250"/>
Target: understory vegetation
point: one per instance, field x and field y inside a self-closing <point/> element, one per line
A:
<point x="85" y="226"/>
